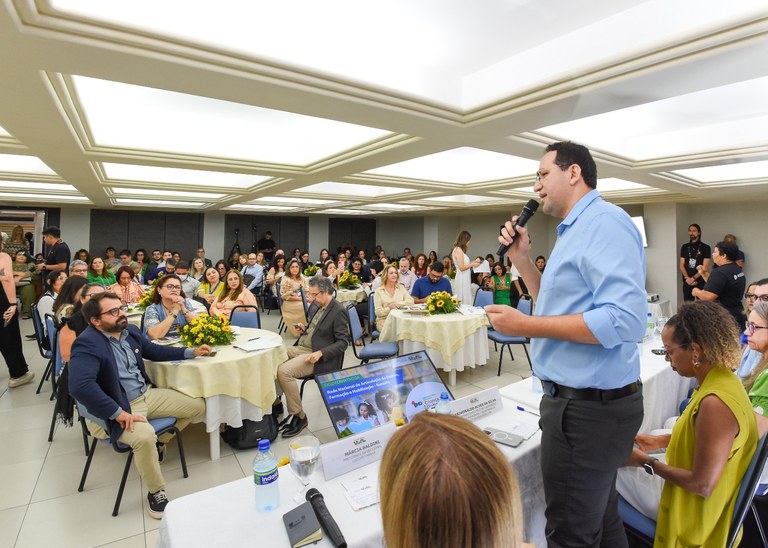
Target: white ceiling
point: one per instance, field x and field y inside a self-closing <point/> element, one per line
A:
<point x="431" y="106"/>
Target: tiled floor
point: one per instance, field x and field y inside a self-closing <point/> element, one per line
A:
<point x="39" y="502"/>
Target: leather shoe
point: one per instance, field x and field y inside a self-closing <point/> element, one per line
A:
<point x="295" y="427"/>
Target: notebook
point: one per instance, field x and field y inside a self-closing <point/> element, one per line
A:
<point x="302" y="526"/>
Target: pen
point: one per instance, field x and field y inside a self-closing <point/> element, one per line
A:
<point x="524" y="410"/>
<point x="253" y="339"/>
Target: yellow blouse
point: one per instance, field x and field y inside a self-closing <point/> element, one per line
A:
<point x="684" y="518"/>
<point x="382" y="300"/>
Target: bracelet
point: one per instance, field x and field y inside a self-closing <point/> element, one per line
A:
<point x="173" y="315"/>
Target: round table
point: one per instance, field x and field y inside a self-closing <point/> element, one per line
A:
<point x="236" y="384"/>
<point x="453" y="341"/>
<point x="356" y="295"/>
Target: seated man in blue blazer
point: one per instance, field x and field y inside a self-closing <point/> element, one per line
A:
<point x="434" y="281"/>
<point x="107" y="376"/>
<point x="320" y="349"/>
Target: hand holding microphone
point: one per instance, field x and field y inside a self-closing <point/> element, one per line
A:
<point x="525" y="215"/>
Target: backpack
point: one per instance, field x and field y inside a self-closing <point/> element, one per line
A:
<point x="249" y="434"/>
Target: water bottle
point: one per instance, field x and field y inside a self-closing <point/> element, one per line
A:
<point x="443" y="407"/>
<point x="649" y="326"/>
<point x="265" y="478"/>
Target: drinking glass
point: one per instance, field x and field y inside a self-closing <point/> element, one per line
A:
<point x="304" y="452"/>
<point x="660" y="323"/>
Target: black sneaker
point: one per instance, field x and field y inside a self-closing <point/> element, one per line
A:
<point x="157" y="503"/>
<point x="160" y="452"/>
<point x="295" y="427"/>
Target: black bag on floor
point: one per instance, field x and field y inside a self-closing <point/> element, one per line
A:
<point x="249" y="434"/>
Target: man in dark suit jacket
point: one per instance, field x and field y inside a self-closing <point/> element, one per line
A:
<point x="107" y="376"/>
<point x="320" y="349"/>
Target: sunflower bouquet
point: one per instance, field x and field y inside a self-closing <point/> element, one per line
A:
<point x="348" y="280"/>
<point x="311" y="270"/>
<point x="206" y="329"/>
<point x="146" y="300"/>
<point x="441" y="302"/>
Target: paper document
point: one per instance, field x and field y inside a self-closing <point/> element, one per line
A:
<point x="362" y="491"/>
<point x="259" y="343"/>
<point x="468" y="310"/>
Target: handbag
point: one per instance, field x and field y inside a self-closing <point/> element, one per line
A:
<point x="251" y="432"/>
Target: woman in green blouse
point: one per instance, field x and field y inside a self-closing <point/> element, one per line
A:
<point x="99" y="273"/>
<point x="502" y="287"/>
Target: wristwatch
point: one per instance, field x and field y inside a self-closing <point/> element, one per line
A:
<point x="649" y="466"/>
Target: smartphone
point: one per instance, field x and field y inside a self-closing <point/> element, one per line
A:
<point x="658" y="351"/>
<point x="502" y="437"/>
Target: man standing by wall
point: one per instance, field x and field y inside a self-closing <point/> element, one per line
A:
<point x="692" y="255"/>
<point x="267" y="246"/>
<point x="590" y="313"/>
<point x="58" y="252"/>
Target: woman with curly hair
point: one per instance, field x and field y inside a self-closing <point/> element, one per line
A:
<point x="711" y="444"/>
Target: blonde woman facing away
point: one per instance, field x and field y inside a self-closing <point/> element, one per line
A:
<point x="390" y="296"/>
<point x="444" y="483"/>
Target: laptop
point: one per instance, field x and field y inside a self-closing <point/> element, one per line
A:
<point x="367" y="396"/>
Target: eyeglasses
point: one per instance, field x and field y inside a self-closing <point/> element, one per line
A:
<point x="81" y="270"/>
<point x="751" y="327"/>
<point x="750" y="296"/>
<point x="541" y="174"/>
<point x="172" y="287"/>
<point x="753" y="297"/>
<point x="313" y="294"/>
<point x="115" y="311"/>
<point x="668" y="349"/>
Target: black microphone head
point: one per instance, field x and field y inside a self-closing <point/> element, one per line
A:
<point x="533" y="205"/>
<point x="312" y="492"/>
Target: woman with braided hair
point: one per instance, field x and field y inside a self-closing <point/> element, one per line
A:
<point x="711" y="444"/>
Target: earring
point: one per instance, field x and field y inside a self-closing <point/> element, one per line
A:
<point x="696" y="362"/>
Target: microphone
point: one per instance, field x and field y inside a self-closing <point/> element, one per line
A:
<point x="525" y="215"/>
<point x="326" y="520"/>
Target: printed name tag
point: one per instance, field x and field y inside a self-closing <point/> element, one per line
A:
<point x="350" y="453"/>
<point x="479" y="405"/>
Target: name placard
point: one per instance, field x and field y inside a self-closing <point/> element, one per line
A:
<point x="478" y="405"/>
<point x="352" y="452"/>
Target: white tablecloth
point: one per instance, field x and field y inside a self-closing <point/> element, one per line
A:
<point x="663" y="389"/>
<point x="225" y="516"/>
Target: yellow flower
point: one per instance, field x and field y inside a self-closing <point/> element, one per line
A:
<point x="440" y="303"/>
<point x="455" y="300"/>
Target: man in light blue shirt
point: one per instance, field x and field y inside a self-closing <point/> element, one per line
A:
<point x="590" y="313"/>
<point x="254" y="270"/>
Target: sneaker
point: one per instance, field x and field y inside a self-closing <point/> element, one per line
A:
<point x="157" y="503"/>
<point x="161" y="449"/>
<point x="26" y="378"/>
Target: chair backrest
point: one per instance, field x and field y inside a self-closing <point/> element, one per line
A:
<point x="304" y="302"/>
<point x="278" y="295"/>
<point x="371" y="311"/>
<point x="748" y="487"/>
<point x="483" y="298"/>
<point x="37" y="324"/>
<point x="53" y="337"/>
<point x="356" y="331"/>
<point x="245" y="315"/>
<point x="525" y="306"/>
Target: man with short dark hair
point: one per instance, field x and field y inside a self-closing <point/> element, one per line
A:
<point x="107" y="376"/>
<point x="741" y="258"/>
<point x="693" y="255"/>
<point x="126" y="257"/>
<point x="434" y="281"/>
<point x="320" y="349"/>
<point x="253" y="274"/>
<point x="267" y="246"/>
<point x="58" y="256"/>
<point x="726" y="283"/>
<point x="590" y="312"/>
<point x="188" y="284"/>
<point x="168" y="267"/>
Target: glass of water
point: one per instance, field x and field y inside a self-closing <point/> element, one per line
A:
<point x="660" y="323"/>
<point x="304" y="452"/>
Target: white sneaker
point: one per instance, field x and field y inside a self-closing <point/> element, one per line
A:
<point x="26" y="378"/>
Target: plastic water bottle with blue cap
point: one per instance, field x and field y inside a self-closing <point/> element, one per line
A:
<point x="265" y="478"/>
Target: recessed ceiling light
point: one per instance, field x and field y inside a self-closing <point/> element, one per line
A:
<point x="168" y="203"/>
<point x="137" y="117"/>
<point x="611" y="184"/>
<point x="344" y="190"/>
<point x="253" y="207"/>
<point x="30" y="185"/>
<point x="173" y="175"/>
<point x="52" y="197"/>
<point x="167" y="193"/>
<point x="295" y="201"/>
<point x="461" y="166"/>
<point x="462" y="199"/>
<point x="335" y="211"/>
<point x="729" y="172"/>
<point x="18" y="163"/>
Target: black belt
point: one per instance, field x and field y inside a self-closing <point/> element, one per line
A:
<point x="589" y="394"/>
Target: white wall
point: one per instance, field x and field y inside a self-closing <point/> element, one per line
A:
<point x="395" y="233"/>
<point x="76" y="227"/>
<point x="662" y="272"/>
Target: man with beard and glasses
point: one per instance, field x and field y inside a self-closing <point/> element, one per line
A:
<point x="107" y="376"/>
<point x="693" y="255"/>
